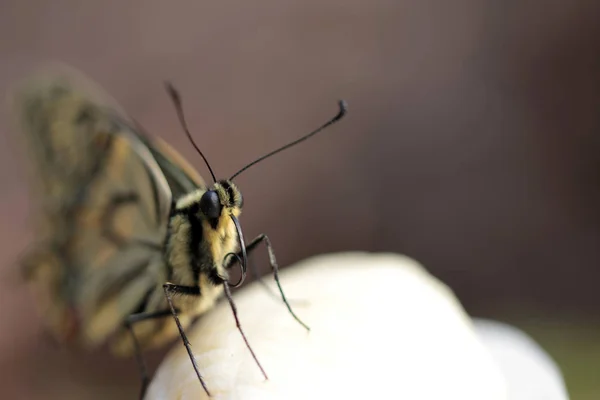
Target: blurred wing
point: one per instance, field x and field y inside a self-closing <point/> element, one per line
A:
<point x="180" y="175"/>
<point x="103" y="194"/>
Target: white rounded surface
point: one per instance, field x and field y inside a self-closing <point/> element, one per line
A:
<point x="529" y="371"/>
<point x="381" y="328"/>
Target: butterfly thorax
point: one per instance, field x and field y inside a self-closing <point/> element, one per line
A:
<point x="201" y="234"/>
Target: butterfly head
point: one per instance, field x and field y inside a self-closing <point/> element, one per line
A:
<point x="221" y="200"/>
<point x="220" y="207"/>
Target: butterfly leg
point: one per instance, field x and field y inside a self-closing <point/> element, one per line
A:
<point x="274" y="267"/>
<point x="256" y="275"/>
<point x="171" y="289"/>
<point x="239" y="326"/>
<point x="139" y="357"/>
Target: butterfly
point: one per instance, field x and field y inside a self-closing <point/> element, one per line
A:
<point x="129" y="236"/>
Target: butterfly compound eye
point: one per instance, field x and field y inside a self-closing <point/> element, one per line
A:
<point x="210" y="204"/>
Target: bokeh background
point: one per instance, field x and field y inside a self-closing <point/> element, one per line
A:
<point x="472" y="145"/>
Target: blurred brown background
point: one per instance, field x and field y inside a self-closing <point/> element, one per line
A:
<point x="472" y="144"/>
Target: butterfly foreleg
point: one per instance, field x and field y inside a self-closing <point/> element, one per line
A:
<point x="274" y="267"/>
<point x="256" y="275"/>
<point x="171" y="289"/>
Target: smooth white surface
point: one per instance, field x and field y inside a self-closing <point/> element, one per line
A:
<point x="530" y="372"/>
<point x="382" y="328"/>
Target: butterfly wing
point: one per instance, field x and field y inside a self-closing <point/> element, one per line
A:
<point x="103" y="196"/>
<point x="181" y="176"/>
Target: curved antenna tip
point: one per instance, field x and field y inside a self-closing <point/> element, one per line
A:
<point x="343" y="110"/>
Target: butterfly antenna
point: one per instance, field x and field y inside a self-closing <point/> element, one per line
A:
<point x="176" y="98"/>
<point x="343" y="109"/>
